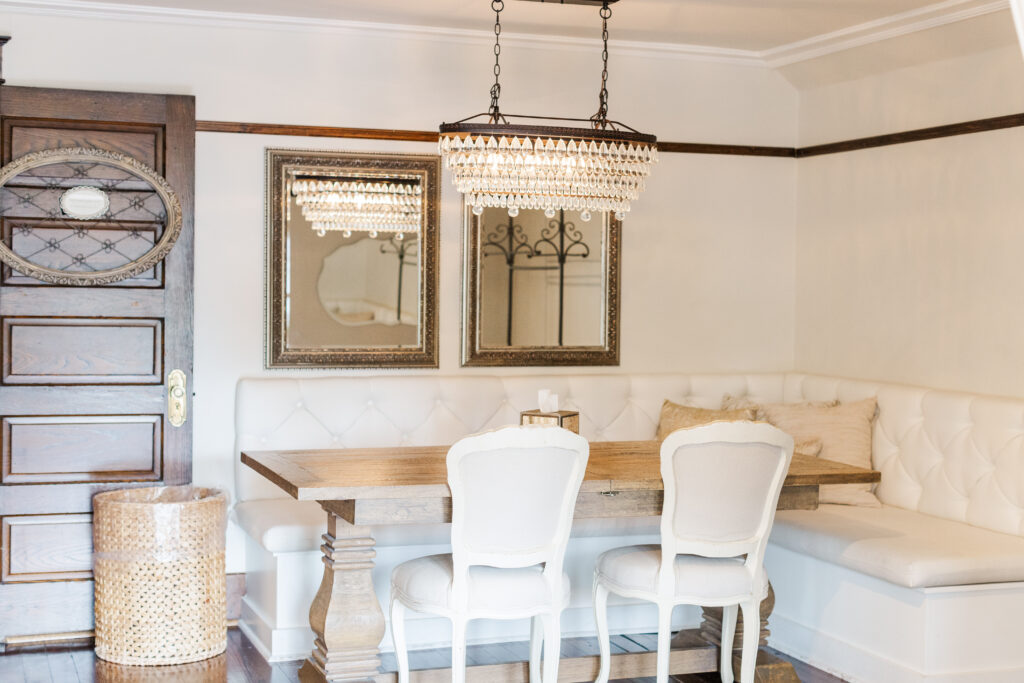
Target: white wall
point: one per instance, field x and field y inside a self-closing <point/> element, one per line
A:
<point x="909" y="256"/>
<point x="707" y="263"/>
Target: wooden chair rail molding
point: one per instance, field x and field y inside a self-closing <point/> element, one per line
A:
<point x="950" y="130"/>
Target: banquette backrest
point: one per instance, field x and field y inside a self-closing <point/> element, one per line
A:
<point x="350" y="412"/>
<point x="951" y="455"/>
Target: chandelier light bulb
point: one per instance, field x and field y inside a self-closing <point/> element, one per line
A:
<point x="478" y="209"/>
<point x="585" y="216"/>
<point x="513" y="211"/>
<point x="549" y="212"/>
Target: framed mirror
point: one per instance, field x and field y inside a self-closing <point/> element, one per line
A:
<point x="541" y="288"/>
<point x="351" y="272"/>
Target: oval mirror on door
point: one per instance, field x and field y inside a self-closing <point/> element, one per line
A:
<point x="78" y="216"/>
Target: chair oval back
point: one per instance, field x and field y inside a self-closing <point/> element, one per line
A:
<point x="722" y="483"/>
<point x="513" y="494"/>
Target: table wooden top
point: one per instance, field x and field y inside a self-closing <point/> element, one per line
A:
<point x="420" y="471"/>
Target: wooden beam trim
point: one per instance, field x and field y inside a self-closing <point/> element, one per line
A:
<point x="933" y="133"/>
<point x="431" y="136"/>
<point x="315" y="131"/>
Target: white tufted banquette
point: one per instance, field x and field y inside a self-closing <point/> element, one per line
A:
<point x="952" y="479"/>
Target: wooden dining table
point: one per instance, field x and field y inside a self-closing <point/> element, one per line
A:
<point x="360" y="488"/>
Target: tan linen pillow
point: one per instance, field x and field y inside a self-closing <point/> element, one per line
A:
<point x="811" y="449"/>
<point x="845" y="434"/>
<point x="730" y="402"/>
<point x="675" y="416"/>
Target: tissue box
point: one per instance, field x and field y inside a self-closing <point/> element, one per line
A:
<point x="566" y="419"/>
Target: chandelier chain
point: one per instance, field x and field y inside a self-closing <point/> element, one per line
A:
<point x="600" y="119"/>
<point x="494" y="111"/>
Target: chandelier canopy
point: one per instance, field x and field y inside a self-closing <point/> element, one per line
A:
<point x="497" y="163"/>
<point x="358" y="205"/>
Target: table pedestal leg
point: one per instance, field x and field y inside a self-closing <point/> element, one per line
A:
<point x="770" y="669"/>
<point x="345" y="615"/>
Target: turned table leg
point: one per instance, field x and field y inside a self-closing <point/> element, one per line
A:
<point x="770" y="669"/>
<point x="345" y="615"/>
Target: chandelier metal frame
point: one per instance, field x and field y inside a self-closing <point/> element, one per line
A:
<point x="500" y="162"/>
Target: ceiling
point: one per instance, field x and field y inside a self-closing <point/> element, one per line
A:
<point x="747" y="25"/>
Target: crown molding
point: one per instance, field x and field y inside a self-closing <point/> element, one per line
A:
<point x="894" y="26"/>
<point x="87" y="9"/>
<point x="931" y="16"/>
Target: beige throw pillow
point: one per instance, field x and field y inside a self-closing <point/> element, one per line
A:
<point x="675" y="416"/>
<point x="809" y="449"/>
<point x="845" y="434"/>
<point x="730" y="402"/>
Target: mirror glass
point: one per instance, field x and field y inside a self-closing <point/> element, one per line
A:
<point x="353" y="251"/>
<point x="351" y="277"/>
<point x="542" y="288"/>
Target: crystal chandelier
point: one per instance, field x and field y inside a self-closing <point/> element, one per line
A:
<point x="360" y="206"/>
<point x="516" y="166"/>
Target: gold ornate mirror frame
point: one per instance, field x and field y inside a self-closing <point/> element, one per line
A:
<point x="83" y="155"/>
<point x="285" y="164"/>
<point x="475" y="353"/>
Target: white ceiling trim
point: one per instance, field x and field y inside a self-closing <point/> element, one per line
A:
<point x="244" y="20"/>
<point x="931" y="16"/>
<point x="922" y="19"/>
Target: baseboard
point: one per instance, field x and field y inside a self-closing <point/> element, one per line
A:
<point x="862" y="666"/>
<point x="823" y="651"/>
<point x="274" y="644"/>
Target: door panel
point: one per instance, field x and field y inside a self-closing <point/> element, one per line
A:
<point x="82" y="351"/>
<point x="46" y="547"/>
<point x="83" y="399"/>
<point x="68" y="448"/>
<point x="144" y="143"/>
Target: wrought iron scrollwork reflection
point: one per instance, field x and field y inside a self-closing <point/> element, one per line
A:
<point x="560" y="239"/>
<point x="509" y="241"/>
<point x="407" y="251"/>
<point x="565" y="241"/>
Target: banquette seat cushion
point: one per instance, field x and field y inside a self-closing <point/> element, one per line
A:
<point x="902" y="547"/>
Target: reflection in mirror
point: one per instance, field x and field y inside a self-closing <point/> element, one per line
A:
<point x="542" y="288"/>
<point x="357" y="245"/>
<point x="541" y="279"/>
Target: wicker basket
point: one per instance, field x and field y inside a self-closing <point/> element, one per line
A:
<point x="159" y="574"/>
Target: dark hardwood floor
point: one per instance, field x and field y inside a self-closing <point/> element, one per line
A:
<point x="242" y="663"/>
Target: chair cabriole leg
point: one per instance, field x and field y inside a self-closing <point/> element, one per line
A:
<point x="726" y="646"/>
<point x="603" y="638"/>
<point x="664" y="640"/>
<point x="552" y="646"/>
<point x="398" y="636"/>
<point x="458" y="650"/>
<point x="536" y="641"/>
<point x="751" y="635"/>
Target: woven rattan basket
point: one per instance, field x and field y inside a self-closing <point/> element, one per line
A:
<point x="159" y="574"/>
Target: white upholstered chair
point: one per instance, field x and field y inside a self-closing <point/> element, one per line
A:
<point x="513" y="495"/>
<point x="722" y="484"/>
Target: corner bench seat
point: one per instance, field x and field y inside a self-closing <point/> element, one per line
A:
<point x="928" y="587"/>
<point x="900" y="546"/>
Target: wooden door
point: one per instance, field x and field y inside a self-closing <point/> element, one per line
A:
<point x="83" y="369"/>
